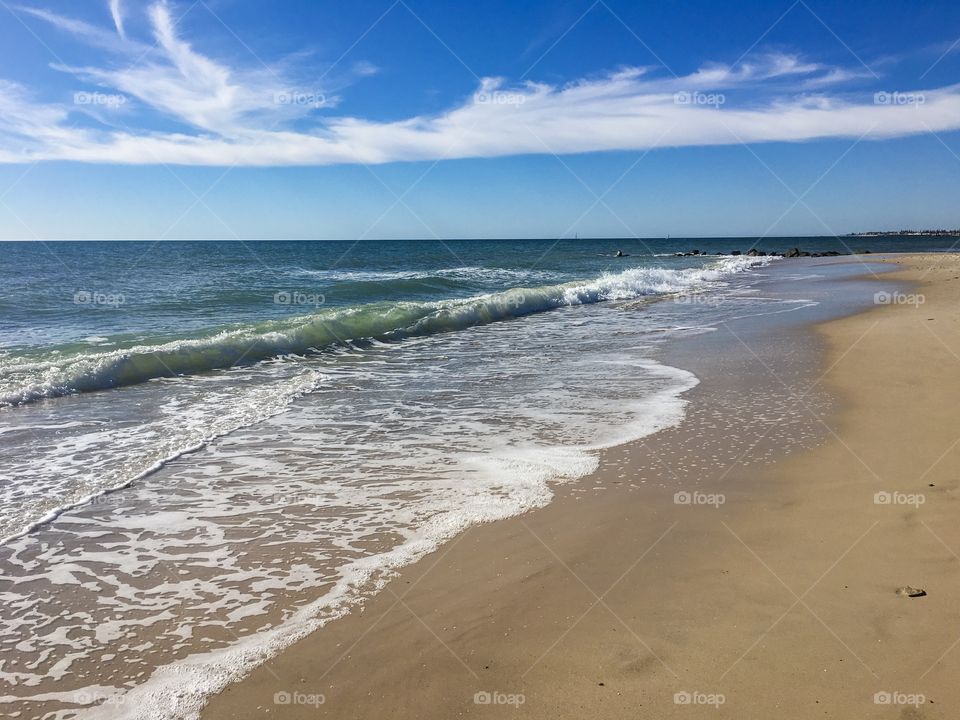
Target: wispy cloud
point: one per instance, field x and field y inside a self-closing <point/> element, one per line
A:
<point x="233" y="115"/>
<point x="117" y="13"/>
<point x="93" y="35"/>
<point x="190" y="87"/>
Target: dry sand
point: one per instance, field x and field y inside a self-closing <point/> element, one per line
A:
<point x="780" y="603"/>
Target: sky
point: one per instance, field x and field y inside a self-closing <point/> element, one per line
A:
<point x="302" y="119"/>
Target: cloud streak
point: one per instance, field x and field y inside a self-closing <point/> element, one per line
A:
<point x="117" y="13"/>
<point x="235" y="116"/>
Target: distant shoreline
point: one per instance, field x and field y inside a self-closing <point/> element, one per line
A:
<point x="906" y="233"/>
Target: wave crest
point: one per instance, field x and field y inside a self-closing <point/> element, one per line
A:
<point x="26" y="379"/>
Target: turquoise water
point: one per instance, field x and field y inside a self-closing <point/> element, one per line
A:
<point x="168" y="290"/>
<point x="53" y="293"/>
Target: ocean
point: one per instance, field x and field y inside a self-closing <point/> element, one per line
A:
<point x="210" y="449"/>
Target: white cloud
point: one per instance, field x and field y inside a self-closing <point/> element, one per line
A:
<point x="91" y="34"/>
<point x="175" y="80"/>
<point x="84" y="31"/>
<point x="182" y="83"/>
<point x="117" y="13"/>
<point x="238" y="116"/>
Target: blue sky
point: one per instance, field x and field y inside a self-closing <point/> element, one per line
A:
<point x="230" y="119"/>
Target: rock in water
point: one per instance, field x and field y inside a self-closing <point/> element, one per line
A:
<point x="907" y="591"/>
<point x="793" y="252"/>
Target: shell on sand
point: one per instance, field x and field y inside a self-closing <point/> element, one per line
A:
<point x="907" y="591"/>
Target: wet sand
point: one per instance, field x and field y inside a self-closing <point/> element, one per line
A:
<point x="768" y="590"/>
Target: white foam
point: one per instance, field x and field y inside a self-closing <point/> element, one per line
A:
<point x="114" y="459"/>
<point x="178" y="691"/>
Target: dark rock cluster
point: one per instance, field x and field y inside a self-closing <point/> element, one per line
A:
<point x="791" y="253"/>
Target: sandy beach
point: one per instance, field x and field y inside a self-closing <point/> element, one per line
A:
<point x="762" y="589"/>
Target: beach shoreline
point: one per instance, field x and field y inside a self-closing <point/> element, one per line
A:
<point x="780" y="598"/>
